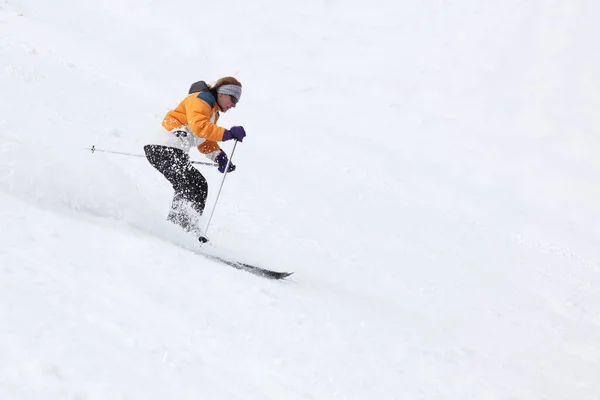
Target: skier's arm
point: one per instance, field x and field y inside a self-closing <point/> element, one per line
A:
<point x="199" y="113"/>
<point x="210" y="149"/>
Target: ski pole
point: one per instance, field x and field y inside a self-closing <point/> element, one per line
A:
<point x="204" y="239"/>
<point x="93" y="149"/>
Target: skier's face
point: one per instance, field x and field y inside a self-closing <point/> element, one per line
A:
<point x="226" y="102"/>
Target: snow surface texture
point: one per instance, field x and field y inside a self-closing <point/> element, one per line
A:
<point x="429" y="169"/>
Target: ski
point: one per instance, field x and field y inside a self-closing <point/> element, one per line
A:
<point x="262" y="272"/>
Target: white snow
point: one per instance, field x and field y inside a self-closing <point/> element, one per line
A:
<point x="429" y="170"/>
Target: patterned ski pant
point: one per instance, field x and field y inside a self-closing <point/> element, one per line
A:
<point x="189" y="184"/>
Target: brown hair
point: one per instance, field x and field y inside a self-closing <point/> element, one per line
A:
<point x="228" y="80"/>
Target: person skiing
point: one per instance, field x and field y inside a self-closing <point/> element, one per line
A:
<point x="193" y="123"/>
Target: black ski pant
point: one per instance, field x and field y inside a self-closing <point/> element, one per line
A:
<point x="189" y="184"/>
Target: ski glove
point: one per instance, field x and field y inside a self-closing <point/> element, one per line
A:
<point x="236" y="132"/>
<point x="221" y="159"/>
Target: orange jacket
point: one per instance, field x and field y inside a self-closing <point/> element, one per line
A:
<point x="199" y="111"/>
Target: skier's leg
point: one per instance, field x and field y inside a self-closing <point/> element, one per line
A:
<point x="168" y="161"/>
<point x="181" y="214"/>
<point x="195" y="189"/>
<point x="189" y="200"/>
<point x="171" y="163"/>
<point x="190" y="186"/>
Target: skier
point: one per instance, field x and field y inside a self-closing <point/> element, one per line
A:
<point x="193" y="123"/>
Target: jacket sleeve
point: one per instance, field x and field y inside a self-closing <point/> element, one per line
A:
<point x="198" y="113"/>
<point x="210" y="149"/>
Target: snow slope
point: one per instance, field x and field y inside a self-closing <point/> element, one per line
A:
<point x="428" y="170"/>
